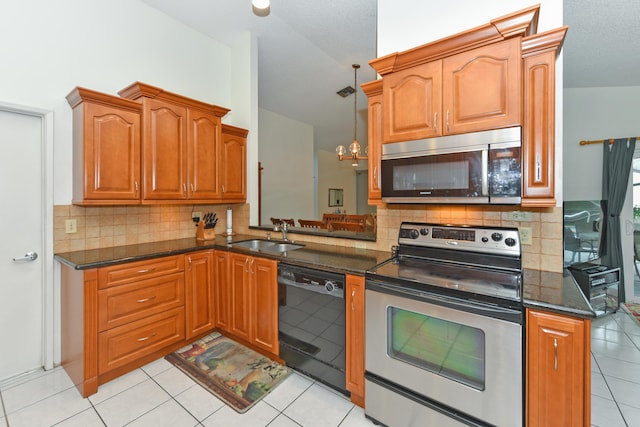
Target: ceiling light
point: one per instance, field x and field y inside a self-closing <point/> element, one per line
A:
<point x="261" y="7"/>
<point x="354" y="148"/>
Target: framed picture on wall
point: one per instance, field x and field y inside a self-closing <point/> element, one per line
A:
<point x="335" y="196"/>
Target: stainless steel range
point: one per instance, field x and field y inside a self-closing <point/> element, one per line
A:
<point x="444" y="329"/>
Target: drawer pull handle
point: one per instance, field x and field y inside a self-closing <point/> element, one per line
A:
<point x="146" y="338"/>
<point x="353" y="294"/>
<point x="146" y="299"/>
<point x="146" y="270"/>
<point x="555" y="354"/>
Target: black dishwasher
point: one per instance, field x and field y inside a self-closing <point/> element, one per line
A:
<point x="311" y="323"/>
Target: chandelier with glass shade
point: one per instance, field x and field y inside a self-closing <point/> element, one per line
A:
<point x="353" y="153"/>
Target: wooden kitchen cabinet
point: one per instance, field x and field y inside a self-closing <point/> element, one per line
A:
<point x="264" y="304"/>
<point x="233" y="168"/>
<point x="248" y="300"/>
<point x="181" y="141"/>
<point x="354" y="295"/>
<point x="222" y="290"/>
<point x="558" y="387"/>
<point x="199" y="293"/>
<point x="412" y="103"/>
<point x="482" y="88"/>
<point x="471" y="91"/>
<point x="539" y="54"/>
<point x="106" y="148"/>
<point x="238" y="283"/>
<point x="373" y="90"/>
<point x="117" y="318"/>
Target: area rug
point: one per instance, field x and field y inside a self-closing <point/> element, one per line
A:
<point x="234" y="373"/>
<point x="633" y="309"/>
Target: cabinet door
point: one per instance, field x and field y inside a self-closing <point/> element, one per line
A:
<point x="238" y="283"/>
<point x="264" y="304"/>
<point x="200" y="301"/>
<point x="110" y="143"/>
<point x="234" y="167"/>
<point x="355" y="337"/>
<point x="558" y="370"/>
<point x="538" y="135"/>
<point x="482" y="88"/>
<point x="203" y="152"/>
<point x="374" y="129"/>
<point x="412" y="100"/>
<point x="222" y="290"/>
<point x="164" y="151"/>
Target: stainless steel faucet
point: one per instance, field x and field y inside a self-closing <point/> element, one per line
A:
<point x="282" y="227"/>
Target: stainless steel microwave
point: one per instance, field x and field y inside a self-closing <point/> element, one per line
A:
<point x="480" y="167"/>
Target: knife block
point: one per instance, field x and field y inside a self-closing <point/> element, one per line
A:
<point x="205" y="233"/>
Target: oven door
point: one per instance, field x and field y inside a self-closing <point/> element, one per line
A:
<point x="456" y="357"/>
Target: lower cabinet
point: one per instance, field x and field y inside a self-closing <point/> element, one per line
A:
<point x="354" y="295"/>
<point x="558" y="370"/>
<point x="117" y="318"/>
<point x="199" y="293"/>
<point x="247" y="299"/>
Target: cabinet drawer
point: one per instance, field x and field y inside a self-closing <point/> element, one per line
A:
<point x="124" y="273"/>
<point x="122" y="304"/>
<point x="125" y="344"/>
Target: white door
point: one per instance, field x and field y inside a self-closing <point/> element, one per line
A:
<point x="21" y="233"/>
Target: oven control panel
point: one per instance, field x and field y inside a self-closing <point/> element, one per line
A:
<point x="494" y="240"/>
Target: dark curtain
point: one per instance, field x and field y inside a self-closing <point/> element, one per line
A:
<point x="616" y="167"/>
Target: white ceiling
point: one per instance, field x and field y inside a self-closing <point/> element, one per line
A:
<point x="306" y="49"/>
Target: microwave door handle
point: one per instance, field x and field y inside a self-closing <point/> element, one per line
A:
<point x="485" y="172"/>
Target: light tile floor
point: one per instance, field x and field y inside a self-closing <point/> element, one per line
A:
<point x="158" y="394"/>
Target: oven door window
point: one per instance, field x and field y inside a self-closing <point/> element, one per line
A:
<point x="443" y="347"/>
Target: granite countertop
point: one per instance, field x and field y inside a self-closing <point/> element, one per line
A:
<point x="329" y="257"/>
<point x="557" y="292"/>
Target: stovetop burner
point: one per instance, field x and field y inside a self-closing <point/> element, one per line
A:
<point x="483" y="261"/>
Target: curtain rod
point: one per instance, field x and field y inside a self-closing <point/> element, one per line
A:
<point x="600" y="141"/>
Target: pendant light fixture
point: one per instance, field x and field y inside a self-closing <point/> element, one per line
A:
<point x="261" y="7"/>
<point x="354" y="148"/>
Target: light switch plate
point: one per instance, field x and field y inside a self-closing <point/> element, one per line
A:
<point x="70" y="226"/>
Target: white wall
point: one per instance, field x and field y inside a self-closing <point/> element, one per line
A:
<point x="404" y="24"/>
<point x="49" y="47"/>
<point x="287" y="192"/>
<point x="335" y="174"/>
<point x="594" y="113"/>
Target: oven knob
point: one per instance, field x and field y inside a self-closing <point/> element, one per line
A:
<point x="510" y="241"/>
<point x="329" y="286"/>
<point x="496" y="237"/>
<point x="424" y="231"/>
<point x="413" y="234"/>
<point x="485" y="239"/>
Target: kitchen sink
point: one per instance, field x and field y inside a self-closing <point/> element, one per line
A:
<point x="267" y="245"/>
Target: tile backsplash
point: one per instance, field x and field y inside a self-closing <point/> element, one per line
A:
<point x="99" y="227"/>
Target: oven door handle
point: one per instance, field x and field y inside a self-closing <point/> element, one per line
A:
<point x="483" y="309"/>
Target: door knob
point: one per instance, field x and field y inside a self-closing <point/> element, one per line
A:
<point x="29" y="256"/>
